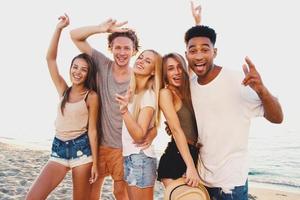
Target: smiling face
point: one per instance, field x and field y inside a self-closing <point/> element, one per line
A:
<point x="200" y="54"/>
<point x="144" y="64"/>
<point x="122" y="49"/>
<point x="79" y="71"/>
<point x="174" y="72"/>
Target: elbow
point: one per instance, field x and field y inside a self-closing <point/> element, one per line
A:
<point x="73" y="35"/>
<point x="276" y="119"/>
<point x="138" y="138"/>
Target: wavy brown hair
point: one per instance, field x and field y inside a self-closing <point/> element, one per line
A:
<point x="184" y="88"/>
<point x="90" y="81"/>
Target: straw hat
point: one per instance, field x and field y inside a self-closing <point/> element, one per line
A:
<point x="179" y="190"/>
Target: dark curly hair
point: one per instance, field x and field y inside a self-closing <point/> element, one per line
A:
<point x="200" y="31"/>
<point x="129" y="34"/>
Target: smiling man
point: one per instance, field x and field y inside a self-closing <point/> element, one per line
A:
<point x="224" y="102"/>
<point x="113" y="78"/>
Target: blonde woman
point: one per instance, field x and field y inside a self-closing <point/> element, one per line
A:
<point x="140" y="112"/>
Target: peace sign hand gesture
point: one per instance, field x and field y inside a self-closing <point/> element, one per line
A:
<point x="252" y="77"/>
<point x="111" y="26"/>
<point x="196" y="12"/>
<point x="123" y="101"/>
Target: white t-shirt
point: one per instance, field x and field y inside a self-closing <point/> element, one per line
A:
<point x="224" y="108"/>
<point x="129" y="147"/>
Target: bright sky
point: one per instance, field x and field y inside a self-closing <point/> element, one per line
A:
<point x="266" y="31"/>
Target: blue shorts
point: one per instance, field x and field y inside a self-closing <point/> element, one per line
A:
<point x="140" y="170"/>
<point x="72" y="153"/>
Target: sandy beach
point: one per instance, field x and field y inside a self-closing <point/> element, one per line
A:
<point x="19" y="166"/>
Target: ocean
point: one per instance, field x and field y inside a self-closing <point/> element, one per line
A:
<point x="274" y="157"/>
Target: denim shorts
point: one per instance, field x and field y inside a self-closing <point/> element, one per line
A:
<point x="72" y="153"/>
<point x="140" y="170"/>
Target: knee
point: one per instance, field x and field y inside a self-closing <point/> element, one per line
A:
<point x="120" y="191"/>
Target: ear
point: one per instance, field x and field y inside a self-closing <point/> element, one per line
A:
<point x="185" y="53"/>
<point x="153" y="73"/>
<point x="215" y="52"/>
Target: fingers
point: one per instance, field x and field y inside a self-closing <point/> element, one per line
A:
<point x="250" y="64"/>
<point x="144" y="145"/>
<point x="245" y="69"/>
<point x="250" y="81"/>
<point x="123" y="100"/>
<point x="198" y="8"/>
<point x="193" y="182"/>
<point x="64" y="20"/>
<point x="121" y="24"/>
<point x="192" y="6"/>
<point x="94" y="177"/>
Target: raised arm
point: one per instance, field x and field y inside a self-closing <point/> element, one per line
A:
<point x="93" y="106"/>
<point x="272" y="108"/>
<point x="136" y="128"/>
<point x="167" y="106"/>
<point x="57" y="79"/>
<point x="80" y="35"/>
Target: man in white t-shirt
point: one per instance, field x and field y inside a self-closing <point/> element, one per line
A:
<point x="224" y="102"/>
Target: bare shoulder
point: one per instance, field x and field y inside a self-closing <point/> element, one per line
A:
<point x="92" y="97"/>
<point x="165" y="92"/>
<point x="165" y="96"/>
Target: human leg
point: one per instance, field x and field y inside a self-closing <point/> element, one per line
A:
<point x="116" y="170"/>
<point x="136" y="193"/>
<point x="81" y="185"/>
<point x="102" y="173"/>
<point x="46" y="182"/>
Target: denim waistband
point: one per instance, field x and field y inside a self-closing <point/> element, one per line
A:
<point x="75" y="140"/>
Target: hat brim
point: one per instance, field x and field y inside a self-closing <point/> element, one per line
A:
<point x="179" y="189"/>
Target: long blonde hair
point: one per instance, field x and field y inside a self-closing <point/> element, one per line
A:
<point x="154" y="83"/>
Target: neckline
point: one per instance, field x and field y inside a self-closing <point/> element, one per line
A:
<point x="83" y="99"/>
<point x="213" y="81"/>
<point x="113" y="77"/>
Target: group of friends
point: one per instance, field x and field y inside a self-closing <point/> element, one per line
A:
<point x="108" y="118"/>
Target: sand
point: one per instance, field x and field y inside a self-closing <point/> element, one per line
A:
<point x="20" y="165"/>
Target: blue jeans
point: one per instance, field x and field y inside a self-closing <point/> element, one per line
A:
<point x="72" y="153"/>
<point x="140" y="170"/>
<point x="237" y="193"/>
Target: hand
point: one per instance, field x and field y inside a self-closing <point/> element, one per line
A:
<point x="111" y="26"/>
<point x="94" y="174"/>
<point x="63" y="21"/>
<point x="196" y="11"/>
<point x="167" y="128"/>
<point x="123" y="101"/>
<point x="252" y="77"/>
<point x="192" y="177"/>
